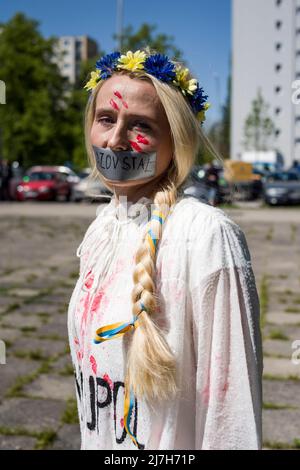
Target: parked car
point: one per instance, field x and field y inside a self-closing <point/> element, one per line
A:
<point x="46" y="183"/>
<point x="282" y="188"/>
<point x="89" y="189"/>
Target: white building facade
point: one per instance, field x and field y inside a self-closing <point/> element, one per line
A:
<point x="266" y="55"/>
<point x="71" y="51"/>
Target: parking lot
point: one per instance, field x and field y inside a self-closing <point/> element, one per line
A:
<point x="37" y="275"/>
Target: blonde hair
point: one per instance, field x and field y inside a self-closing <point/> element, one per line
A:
<point x="151" y="365"/>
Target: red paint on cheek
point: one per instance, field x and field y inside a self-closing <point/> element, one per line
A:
<point x="135" y="146"/>
<point x="114" y="104"/>
<point x="142" y="140"/>
<point x="125" y="104"/>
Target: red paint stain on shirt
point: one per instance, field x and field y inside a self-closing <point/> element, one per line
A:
<point x="122" y="422"/>
<point x="89" y="280"/>
<point x="109" y="381"/>
<point x="97" y="301"/>
<point x="93" y="364"/>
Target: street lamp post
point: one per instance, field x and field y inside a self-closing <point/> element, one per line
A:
<point x="119" y="24"/>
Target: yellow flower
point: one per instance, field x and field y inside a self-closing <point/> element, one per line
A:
<point x="132" y="61"/>
<point x="201" y="115"/>
<point x="93" y="80"/>
<point x="186" y="84"/>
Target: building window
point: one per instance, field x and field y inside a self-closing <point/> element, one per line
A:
<point x="297" y="140"/>
<point x="278" y="2"/>
<point x="66" y="42"/>
<point x="297" y="75"/>
<point x="278" y="46"/>
<point x="277" y="132"/>
<point x="298" y="31"/>
<point x="277" y="89"/>
<point x="298" y="53"/>
<point x="278" y="67"/>
<point x="277" y="110"/>
<point x="278" y="24"/>
<point x="297" y="118"/>
<point x="66" y="66"/>
<point x="297" y="9"/>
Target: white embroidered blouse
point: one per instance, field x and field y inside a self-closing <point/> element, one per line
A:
<point x="209" y="310"/>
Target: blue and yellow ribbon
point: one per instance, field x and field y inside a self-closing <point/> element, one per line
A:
<point x="116" y="330"/>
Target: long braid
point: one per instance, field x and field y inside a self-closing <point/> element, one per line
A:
<point x="151" y="368"/>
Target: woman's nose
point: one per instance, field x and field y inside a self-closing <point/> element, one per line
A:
<point x="118" y="139"/>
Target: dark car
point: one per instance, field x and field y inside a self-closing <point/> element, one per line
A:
<point x="47" y="183"/>
<point x="282" y="188"/>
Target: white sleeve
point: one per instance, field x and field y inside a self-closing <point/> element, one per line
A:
<point x="225" y="313"/>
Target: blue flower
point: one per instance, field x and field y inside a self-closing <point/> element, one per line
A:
<point x="198" y="99"/>
<point x="107" y="64"/>
<point x="160" y="67"/>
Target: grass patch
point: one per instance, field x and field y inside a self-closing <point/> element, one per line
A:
<point x="53" y="337"/>
<point x="288" y="292"/>
<point x="67" y="370"/>
<point x="269" y="235"/>
<point x="73" y="275"/>
<point x="31" y="277"/>
<point x="282" y="445"/>
<point x="43" y="314"/>
<point x="277" y="406"/>
<point x="70" y="415"/>
<point x="293" y="232"/>
<point x="283" y="276"/>
<point x="12" y="307"/>
<point x="282" y="301"/>
<point x="28" y="329"/>
<point x="277" y="334"/>
<point x="292" y="310"/>
<point x="53" y="268"/>
<point x="35" y="355"/>
<point x="44" y="438"/>
<point x="264" y="299"/>
<point x="293" y="378"/>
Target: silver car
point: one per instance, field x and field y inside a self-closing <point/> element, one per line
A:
<point x="90" y="189"/>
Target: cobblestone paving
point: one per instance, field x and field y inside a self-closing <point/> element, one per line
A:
<point x="38" y="270"/>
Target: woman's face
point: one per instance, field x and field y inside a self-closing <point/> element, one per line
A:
<point x="130" y="116"/>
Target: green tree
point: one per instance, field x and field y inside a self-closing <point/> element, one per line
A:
<point x="224" y="136"/>
<point x="258" y="127"/>
<point x="32" y="118"/>
<point x="144" y="37"/>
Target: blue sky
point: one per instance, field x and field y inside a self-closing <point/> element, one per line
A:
<point x="201" y="29"/>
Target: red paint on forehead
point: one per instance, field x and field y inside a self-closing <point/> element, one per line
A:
<point x="114" y="104"/>
<point x="135" y="146"/>
<point x="118" y="94"/>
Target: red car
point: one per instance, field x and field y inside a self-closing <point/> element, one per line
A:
<point x="47" y="183"/>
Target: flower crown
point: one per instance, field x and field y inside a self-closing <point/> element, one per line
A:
<point x="157" y="65"/>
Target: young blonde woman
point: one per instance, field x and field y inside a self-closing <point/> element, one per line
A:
<point x="164" y="318"/>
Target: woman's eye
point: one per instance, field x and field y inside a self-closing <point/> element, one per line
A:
<point x="142" y="125"/>
<point x="105" y="120"/>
